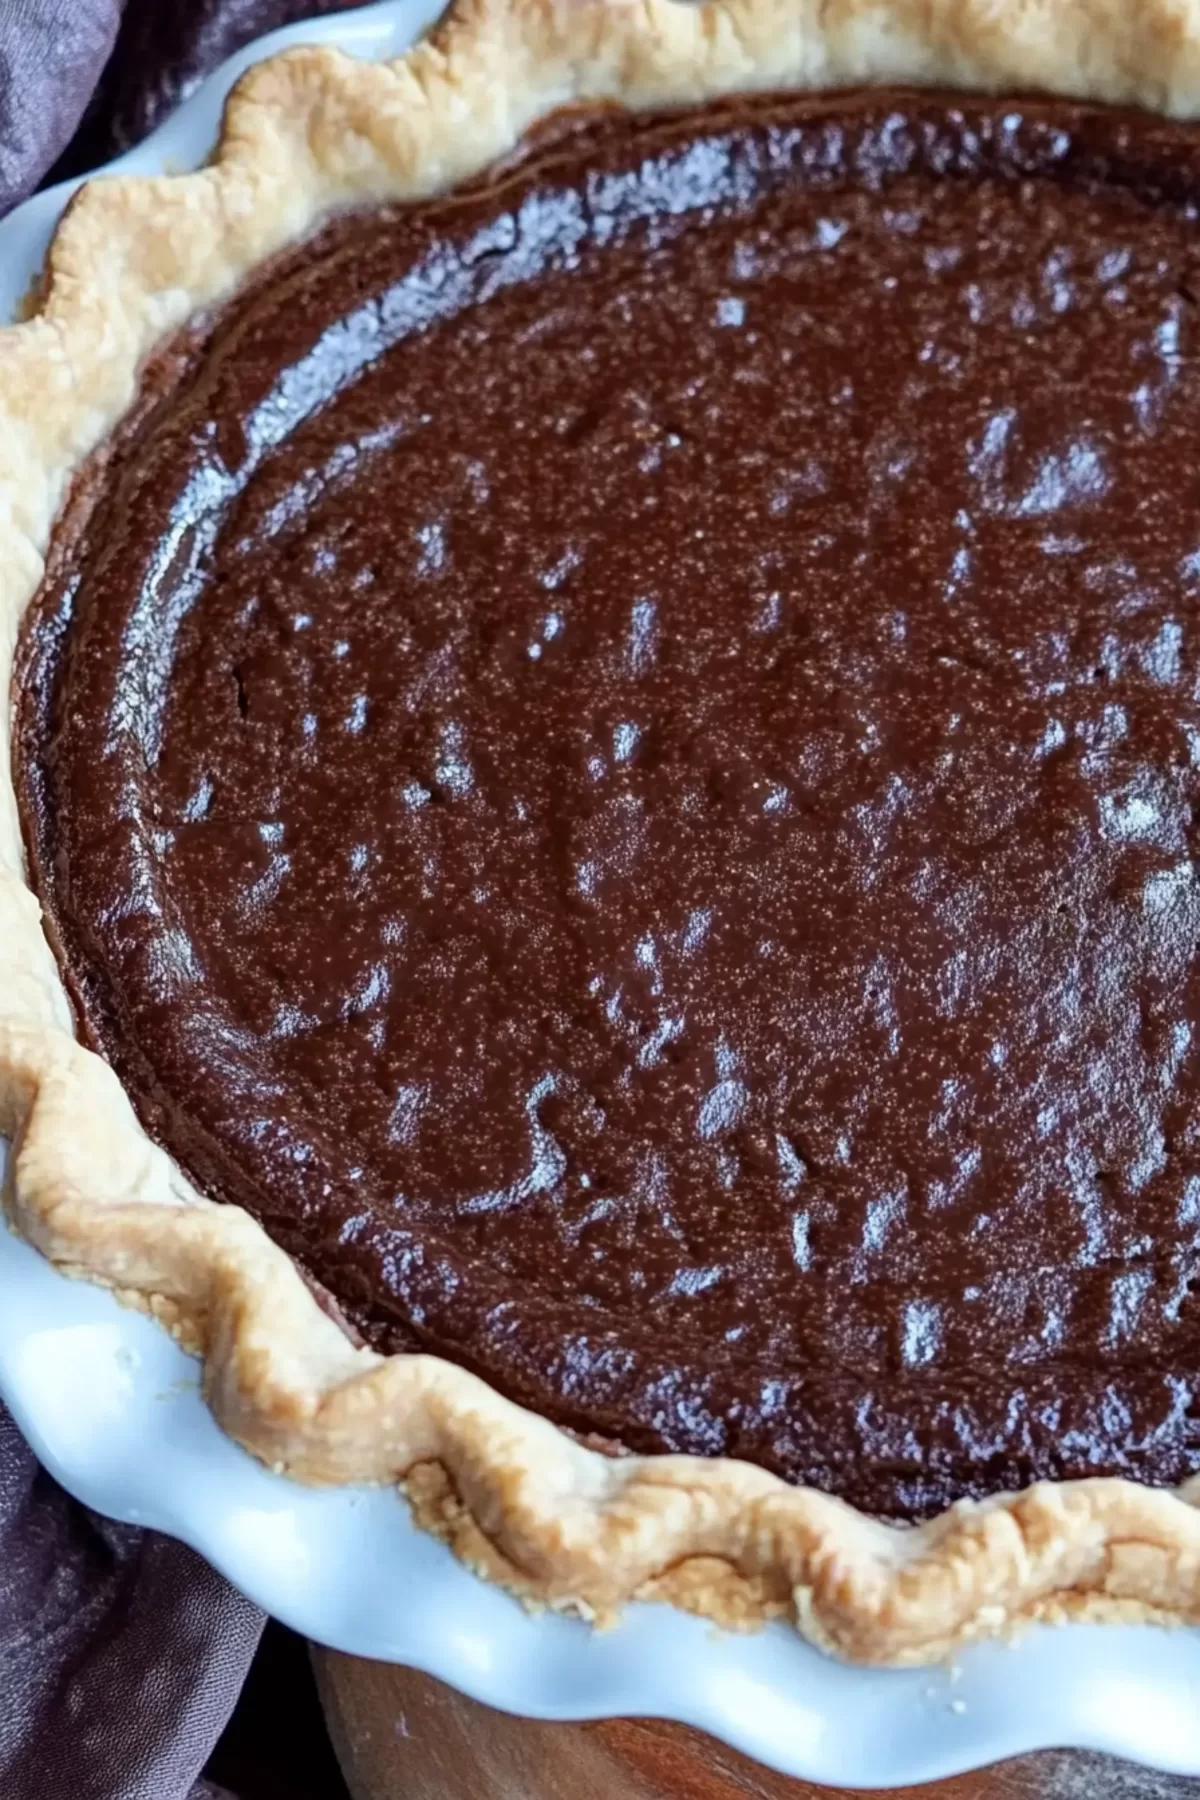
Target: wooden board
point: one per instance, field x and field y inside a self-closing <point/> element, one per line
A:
<point x="403" y="1736"/>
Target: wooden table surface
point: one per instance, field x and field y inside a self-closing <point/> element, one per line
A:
<point x="403" y="1736"/>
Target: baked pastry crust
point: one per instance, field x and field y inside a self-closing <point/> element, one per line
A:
<point x="560" y="1524"/>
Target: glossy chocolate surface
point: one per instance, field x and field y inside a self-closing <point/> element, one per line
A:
<point x="618" y="758"/>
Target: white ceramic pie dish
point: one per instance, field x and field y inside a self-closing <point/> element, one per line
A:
<point x="113" y="1408"/>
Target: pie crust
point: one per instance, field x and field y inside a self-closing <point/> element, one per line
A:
<point x="518" y="1499"/>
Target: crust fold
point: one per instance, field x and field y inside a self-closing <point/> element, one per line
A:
<point x="560" y="1524"/>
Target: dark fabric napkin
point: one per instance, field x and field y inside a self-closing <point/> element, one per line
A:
<point x="121" y="1653"/>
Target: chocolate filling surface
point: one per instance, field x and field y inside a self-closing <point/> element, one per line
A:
<point x="617" y="757"/>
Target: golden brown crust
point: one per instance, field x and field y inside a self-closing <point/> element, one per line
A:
<point x="561" y="1524"/>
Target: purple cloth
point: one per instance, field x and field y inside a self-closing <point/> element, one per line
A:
<point x="56" y="71"/>
<point x="121" y="1653"/>
<point x="51" y="55"/>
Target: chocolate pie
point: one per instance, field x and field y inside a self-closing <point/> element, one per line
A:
<point x="607" y="740"/>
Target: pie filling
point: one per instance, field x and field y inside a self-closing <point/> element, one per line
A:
<point x="617" y="757"/>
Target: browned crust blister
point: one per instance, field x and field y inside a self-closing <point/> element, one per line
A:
<point x="560" y="1524"/>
